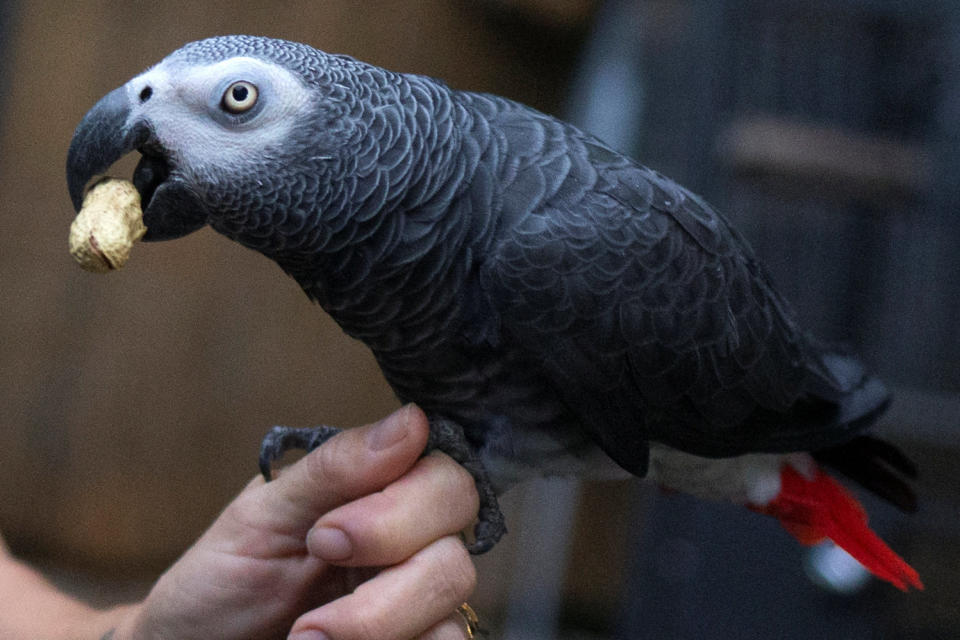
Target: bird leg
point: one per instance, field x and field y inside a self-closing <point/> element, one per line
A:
<point x="445" y="435"/>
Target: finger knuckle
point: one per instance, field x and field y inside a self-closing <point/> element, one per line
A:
<point x="457" y="481"/>
<point x="373" y="627"/>
<point x="326" y="468"/>
<point x="460" y="491"/>
<point x="458" y="577"/>
<point x="464" y="486"/>
<point x="451" y="628"/>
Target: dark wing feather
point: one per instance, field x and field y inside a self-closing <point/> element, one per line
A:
<point x="877" y="466"/>
<point x="651" y="316"/>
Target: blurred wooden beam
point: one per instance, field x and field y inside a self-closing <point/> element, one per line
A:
<point x="560" y="14"/>
<point x="841" y="161"/>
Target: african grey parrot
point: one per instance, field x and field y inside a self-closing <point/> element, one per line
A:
<point x="551" y="305"/>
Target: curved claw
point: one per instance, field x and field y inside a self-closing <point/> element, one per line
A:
<point x="281" y="439"/>
<point x="488" y="531"/>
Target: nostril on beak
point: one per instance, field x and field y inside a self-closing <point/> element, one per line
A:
<point x="145" y="94"/>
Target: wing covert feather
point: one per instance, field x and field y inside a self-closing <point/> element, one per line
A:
<point x="649" y="313"/>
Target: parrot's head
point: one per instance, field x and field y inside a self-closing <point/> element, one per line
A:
<point x="232" y="131"/>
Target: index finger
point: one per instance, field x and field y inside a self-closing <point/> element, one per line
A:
<point x="352" y="464"/>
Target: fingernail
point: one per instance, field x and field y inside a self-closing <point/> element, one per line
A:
<point x="388" y="431"/>
<point x="329" y="543"/>
<point x="308" y="634"/>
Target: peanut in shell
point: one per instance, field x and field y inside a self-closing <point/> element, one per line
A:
<point x="109" y="223"/>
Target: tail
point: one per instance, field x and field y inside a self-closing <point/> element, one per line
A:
<point x="877" y="466"/>
<point x="819" y="508"/>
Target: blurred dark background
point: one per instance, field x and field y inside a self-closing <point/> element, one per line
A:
<point x="131" y="406"/>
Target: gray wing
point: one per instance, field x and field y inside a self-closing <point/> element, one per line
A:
<point x="651" y="317"/>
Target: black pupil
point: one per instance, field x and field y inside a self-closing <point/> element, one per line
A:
<point x="240" y="93"/>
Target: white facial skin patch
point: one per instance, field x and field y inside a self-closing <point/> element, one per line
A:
<point x="196" y="125"/>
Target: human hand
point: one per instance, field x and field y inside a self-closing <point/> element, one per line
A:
<point x="305" y="553"/>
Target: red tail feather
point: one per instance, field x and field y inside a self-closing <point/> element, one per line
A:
<point x="812" y="510"/>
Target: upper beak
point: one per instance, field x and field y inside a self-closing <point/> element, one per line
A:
<point x="109" y="131"/>
<point x="102" y="137"/>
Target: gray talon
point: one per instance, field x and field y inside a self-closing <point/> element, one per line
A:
<point x="281" y="439"/>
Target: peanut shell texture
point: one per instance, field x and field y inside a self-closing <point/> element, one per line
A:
<point x="109" y="223"/>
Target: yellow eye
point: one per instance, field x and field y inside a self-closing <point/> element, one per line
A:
<point x="239" y="97"/>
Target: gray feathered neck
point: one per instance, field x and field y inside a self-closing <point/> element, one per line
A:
<point x="361" y="194"/>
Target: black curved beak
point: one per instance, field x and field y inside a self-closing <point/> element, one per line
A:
<point x="102" y="138"/>
<point x="170" y="208"/>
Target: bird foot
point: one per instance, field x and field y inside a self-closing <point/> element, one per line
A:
<point x="445" y="436"/>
